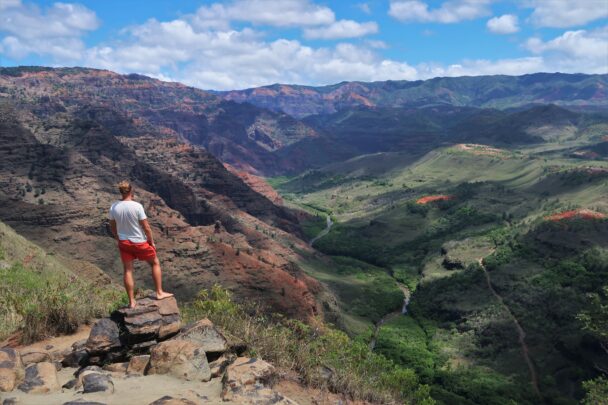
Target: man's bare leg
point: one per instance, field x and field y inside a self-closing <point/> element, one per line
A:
<point x="158" y="279"/>
<point x="129" y="283"/>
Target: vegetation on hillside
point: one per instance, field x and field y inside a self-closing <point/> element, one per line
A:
<point x="320" y="355"/>
<point x="40" y="297"/>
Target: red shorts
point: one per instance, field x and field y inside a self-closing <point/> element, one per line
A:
<point x="130" y="251"/>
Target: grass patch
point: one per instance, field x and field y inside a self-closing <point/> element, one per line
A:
<point x="46" y="304"/>
<point x="322" y="356"/>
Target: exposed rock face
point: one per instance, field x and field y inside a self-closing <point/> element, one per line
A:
<point x="40" y="378"/>
<point x="180" y="358"/>
<point x="11" y="369"/>
<point x="184" y="189"/>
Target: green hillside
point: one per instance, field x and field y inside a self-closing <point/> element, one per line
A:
<point x="42" y="294"/>
<point x="537" y="272"/>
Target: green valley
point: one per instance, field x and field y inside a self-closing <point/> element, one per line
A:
<point x="501" y="247"/>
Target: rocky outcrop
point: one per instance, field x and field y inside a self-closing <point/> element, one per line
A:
<point x="131" y="331"/>
<point x="11" y="369"/>
<point x="131" y="345"/>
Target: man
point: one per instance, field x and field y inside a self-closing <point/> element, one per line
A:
<point x="131" y="229"/>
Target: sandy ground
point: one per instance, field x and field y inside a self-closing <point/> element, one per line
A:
<point x="129" y="390"/>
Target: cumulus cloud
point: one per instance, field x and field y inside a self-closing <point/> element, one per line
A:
<point x="239" y="58"/>
<point x="449" y="12"/>
<point x="567" y="13"/>
<point x="582" y="49"/>
<point x="505" y="24"/>
<point x="55" y="31"/>
<point x="342" y="29"/>
<point x="278" y="13"/>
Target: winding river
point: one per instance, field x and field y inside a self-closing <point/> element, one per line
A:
<point x="391" y="315"/>
<point x="329" y="224"/>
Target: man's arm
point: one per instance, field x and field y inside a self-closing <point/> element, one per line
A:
<point x="147" y="230"/>
<point x="114" y="229"/>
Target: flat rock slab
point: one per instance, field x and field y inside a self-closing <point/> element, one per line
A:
<point x="40" y="378"/>
<point x="180" y="358"/>
<point x="11" y="369"/>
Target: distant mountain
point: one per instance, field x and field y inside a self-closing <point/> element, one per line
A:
<point x="480" y="91"/>
<point x="242" y="135"/>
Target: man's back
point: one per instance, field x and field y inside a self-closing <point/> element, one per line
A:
<point x="127" y="215"/>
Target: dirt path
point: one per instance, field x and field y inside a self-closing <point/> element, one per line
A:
<point x="323" y="232"/>
<point x="521" y="334"/>
<point x="391" y="315"/>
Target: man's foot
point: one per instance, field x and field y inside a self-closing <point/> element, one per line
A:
<point x="163" y="295"/>
<point x="132" y="304"/>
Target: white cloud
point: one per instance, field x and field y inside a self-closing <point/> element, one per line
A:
<point x="365" y="8"/>
<point x="567" y="13"/>
<point x="505" y="24"/>
<point x="279" y="13"/>
<point x="342" y="29"/>
<point x="55" y="31"/>
<point x="449" y="12"/>
<point x="583" y="50"/>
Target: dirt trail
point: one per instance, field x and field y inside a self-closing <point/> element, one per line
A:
<point x="521" y="334"/>
<point x="391" y="315"/>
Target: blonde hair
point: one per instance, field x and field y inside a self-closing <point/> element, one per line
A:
<point x="124" y="187"/>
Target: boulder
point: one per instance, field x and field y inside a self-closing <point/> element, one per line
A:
<point x="11" y="401"/>
<point x="167" y="400"/>
<point x="97" y="382"/>
<point x="180" y="358"/>
<point x="204" y="334"/>
<point x="11" y="369"/>
<point x="32" y="356"/>
<point x="77" y="358"/>
<point x="245" y="376"/>
<point x="104" y="337"/>
<point x="138" y="364"/>
<point x="40" y="378"/>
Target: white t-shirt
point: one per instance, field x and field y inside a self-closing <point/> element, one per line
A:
<point x="127" y="215"/>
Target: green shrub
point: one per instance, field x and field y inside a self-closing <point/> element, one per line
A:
<point x="322" y="356"/>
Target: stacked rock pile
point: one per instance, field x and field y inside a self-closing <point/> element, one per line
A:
<point x="145" y="340"/>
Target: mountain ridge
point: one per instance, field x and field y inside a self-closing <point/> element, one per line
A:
<point x="475" y="91"/>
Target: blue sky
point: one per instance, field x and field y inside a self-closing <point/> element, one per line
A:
<point x="245" y="43"/>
